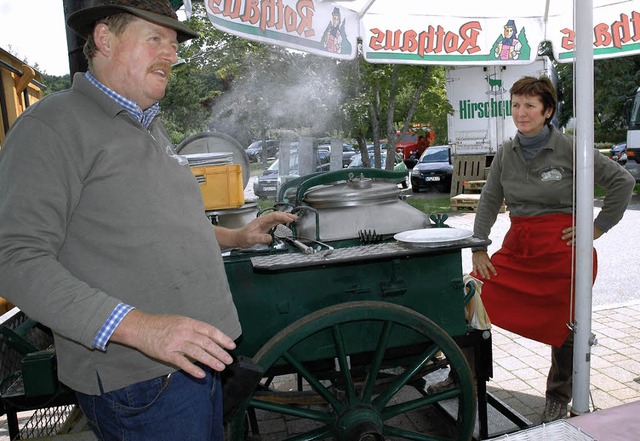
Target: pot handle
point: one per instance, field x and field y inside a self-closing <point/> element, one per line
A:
<point x="282" y="193"/>
<point x="301" y="209"/>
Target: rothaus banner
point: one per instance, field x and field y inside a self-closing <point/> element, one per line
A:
<point x="311" y="26"/>
<point x="453" y="32"/>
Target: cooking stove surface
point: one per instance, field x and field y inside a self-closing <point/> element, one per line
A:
<point x="337" y="256"/>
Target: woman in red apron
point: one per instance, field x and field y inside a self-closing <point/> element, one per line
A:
<point x="528" y="283"/>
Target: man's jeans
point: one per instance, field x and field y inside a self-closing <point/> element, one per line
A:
<point x="174" y="407"/>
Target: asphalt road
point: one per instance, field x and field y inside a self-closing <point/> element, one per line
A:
<point x="633" y="168"/>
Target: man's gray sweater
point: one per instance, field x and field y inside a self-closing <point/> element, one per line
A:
<point x="94" y="210"/>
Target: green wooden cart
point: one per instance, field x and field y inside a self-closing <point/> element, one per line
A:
<point x="356" y="326"/>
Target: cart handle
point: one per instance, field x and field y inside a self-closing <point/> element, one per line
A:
<point x="282" y="193"/>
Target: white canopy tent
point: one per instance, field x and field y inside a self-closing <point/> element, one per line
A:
<point x="471" y="32"/>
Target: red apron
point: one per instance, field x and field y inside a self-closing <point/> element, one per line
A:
<point x="530" y="296"/>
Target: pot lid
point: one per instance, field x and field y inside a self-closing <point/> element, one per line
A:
<point x="356" y="192"/>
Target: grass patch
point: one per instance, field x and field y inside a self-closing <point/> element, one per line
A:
<point x="265" y="203"/>
<point x="431" y="206"/>
<point x="258" y="167"/>
<point x="598" y="192"/>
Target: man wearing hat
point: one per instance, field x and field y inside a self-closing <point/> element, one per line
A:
<point x="103" y="237"/>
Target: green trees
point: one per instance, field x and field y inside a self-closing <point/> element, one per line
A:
<point x="250" y="91"/>
<point x="381" y="99"/>
<point x="54" y="83"/>
<point x="615" y="80"/>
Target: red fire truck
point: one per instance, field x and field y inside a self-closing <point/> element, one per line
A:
<point x="413" y="143"/>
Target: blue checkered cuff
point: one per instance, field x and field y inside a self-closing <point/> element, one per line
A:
<point x="104" y="334"/>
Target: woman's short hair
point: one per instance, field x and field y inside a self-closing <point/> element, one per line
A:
<point x="541" y="87"/>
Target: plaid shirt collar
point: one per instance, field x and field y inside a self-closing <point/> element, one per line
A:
<point x="144" y="117"/>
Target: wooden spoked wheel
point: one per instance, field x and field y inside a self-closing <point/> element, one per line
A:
<point x="355" y="387"/>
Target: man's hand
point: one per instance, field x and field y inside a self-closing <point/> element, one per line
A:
<point x="177" y="340"/>
<point x="254" y="232"/>
<point x="482" y="264"/>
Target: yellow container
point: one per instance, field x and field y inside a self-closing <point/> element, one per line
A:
<point x="221" y="185"/>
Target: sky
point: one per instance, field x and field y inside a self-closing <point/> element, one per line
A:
<point x="34" y="31"/>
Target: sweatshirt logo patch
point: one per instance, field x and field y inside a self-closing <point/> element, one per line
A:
<point x="551" y="174"/>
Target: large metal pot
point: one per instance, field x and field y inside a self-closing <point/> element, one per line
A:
<point x="344" y="210"/>
<point x="234" y="217"/>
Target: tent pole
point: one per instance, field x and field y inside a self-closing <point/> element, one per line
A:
<point x="583" y="14"/>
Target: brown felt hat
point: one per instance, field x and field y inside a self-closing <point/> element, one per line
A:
<point x="155" y="11"/>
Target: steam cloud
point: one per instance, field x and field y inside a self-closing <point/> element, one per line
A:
<point x="302" y="95"/>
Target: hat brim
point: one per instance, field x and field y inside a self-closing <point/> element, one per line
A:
<point x="83" y="20"/>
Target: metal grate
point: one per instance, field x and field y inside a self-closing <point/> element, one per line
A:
<point x="560" y="430"/>
<point x="339" y="255"/>
<point x="378" y="251"/>
<point x="10" y="359"/>
<point x="46" y="422"/>
<point x="43" y="421"/>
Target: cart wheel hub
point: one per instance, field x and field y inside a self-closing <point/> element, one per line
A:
<point x="360" y="424"/>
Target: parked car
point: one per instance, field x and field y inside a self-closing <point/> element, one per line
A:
<point x="399" y="165"/>
<point x="254" y="151"/>
<point x="618" y="153"/>
<point x="348" y="152"/>
<point x="266" y="185"/>
<point x="434" y="169"/>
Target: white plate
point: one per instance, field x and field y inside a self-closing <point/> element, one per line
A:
<point x="431" y="236"/>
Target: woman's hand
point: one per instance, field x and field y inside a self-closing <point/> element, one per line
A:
<point x="568" y="234"/>
<point x="482" y="264"/>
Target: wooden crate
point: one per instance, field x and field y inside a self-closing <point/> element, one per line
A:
<point x="473" y="187"/>
<point x="468" y="202"/>
<point x="468" y="168"/>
